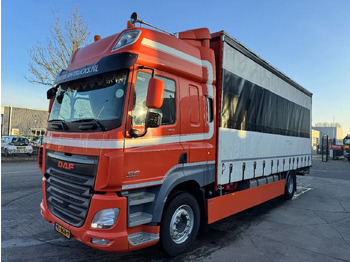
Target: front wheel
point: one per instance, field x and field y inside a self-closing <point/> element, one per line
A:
<point x="180" y="224"/>
<point x="290" y="185"/>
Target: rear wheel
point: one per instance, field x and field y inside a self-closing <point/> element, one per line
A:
<point x="180" y="224"/>
<point x="290" y="185"/>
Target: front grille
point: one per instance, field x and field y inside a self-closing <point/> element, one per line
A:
<point x="69" y="185"/>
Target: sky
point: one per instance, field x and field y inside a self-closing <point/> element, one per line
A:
<point x="308" y="40"/>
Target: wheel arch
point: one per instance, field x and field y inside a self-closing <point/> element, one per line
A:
<point x="192" y="182"/>
<point x="192" y="187"/>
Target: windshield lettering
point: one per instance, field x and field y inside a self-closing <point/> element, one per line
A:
<point x="78" y="72"/>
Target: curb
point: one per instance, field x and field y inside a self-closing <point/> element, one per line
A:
<point x="11" y="159"/>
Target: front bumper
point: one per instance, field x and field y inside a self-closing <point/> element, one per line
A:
<point x="118" y="234"/>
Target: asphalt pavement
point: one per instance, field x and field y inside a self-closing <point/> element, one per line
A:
<point x="313" y="226"/>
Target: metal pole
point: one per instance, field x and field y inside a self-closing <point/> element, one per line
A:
<point x="333" y="129"/>
<point x="10" y="121"/>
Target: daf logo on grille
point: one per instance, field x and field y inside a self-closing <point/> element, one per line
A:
<point x="65" y="165"/>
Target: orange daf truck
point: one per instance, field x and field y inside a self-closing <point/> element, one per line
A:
<point x="152" y="135"/>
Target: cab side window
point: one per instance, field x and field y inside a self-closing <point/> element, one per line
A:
<point x="168" y="109"/>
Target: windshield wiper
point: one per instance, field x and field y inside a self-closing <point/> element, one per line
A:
<point x="96" y="124"/>
<point x="59" y="124"/>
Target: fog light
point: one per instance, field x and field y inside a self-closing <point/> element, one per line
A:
<point x="100" y="242"/>
<point x="105" y="218"/>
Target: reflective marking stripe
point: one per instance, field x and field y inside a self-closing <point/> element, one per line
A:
<point x="129" y="143"/>
<point x="85" y="143"/>
<point x="159" y="182"/>
<point x="161" y="140"/>
<point x="171" y="51"/>
<point x="174" y="52"/>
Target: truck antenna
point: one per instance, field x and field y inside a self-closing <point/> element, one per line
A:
<point x="134" y="19"/>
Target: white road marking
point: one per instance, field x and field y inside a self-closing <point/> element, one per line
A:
<point x="301" y="190"/>
<point x="21" y="172"/>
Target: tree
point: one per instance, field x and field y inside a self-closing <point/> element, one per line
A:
<point x="48" y="59"/>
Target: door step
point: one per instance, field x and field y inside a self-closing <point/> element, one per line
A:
<point x="139" y="218"/>
<point x="141" y="238"/>
<point x="140" y="198"/>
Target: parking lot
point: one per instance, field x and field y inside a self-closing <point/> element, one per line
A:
<point x="314" y="226"/>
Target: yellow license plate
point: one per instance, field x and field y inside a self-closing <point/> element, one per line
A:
<point x="62" y="230"/>
<point x="347" y="146"/>
<point x="20" y="147"/>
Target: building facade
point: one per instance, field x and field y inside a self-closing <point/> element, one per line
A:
<point x="315" y="139"/>
<point x="23" y="121"/>
<point x="331" y="132"/>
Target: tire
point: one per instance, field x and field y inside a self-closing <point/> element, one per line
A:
<point x="6" y="152"/>
<point x="180" y="224"/>
<point x="290" y="186"/>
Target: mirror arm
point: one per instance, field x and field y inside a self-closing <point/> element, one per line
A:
<point x="134" y="133"/>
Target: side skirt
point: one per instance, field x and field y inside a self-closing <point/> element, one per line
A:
<point x="229" y="204"/>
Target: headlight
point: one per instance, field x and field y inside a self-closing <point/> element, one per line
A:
<point x="127" y="38"/>
<point x="105" y="218"/>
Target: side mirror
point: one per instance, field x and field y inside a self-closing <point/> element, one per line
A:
<point x="60" y="97"/>
<point x="155" y="93"/>
<point x="51" y="93"/>
<point x="153" y="119"/>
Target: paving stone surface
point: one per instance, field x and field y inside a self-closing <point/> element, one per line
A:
<point x="313" y="226"/>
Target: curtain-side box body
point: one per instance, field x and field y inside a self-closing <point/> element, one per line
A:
<point x="264" y="116"/>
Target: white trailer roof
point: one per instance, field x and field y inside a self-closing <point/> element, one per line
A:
<point x="256" y="58"/>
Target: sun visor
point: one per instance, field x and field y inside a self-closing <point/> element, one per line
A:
<point x="104" y="65"/>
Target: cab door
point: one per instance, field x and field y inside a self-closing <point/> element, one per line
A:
<point x="193" y="121"/>
<point x="151" y="157"/>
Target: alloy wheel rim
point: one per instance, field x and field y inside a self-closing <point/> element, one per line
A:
<point x="181" y="224"/>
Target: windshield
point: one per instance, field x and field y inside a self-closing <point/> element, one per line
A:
<point x="98" y="99"/>
<point x="20" y="141"/>
<point x="347" y="141"/>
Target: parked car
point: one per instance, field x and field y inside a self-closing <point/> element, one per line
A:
<point x="38" y="141"/>
<point x="15" y="145"/>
